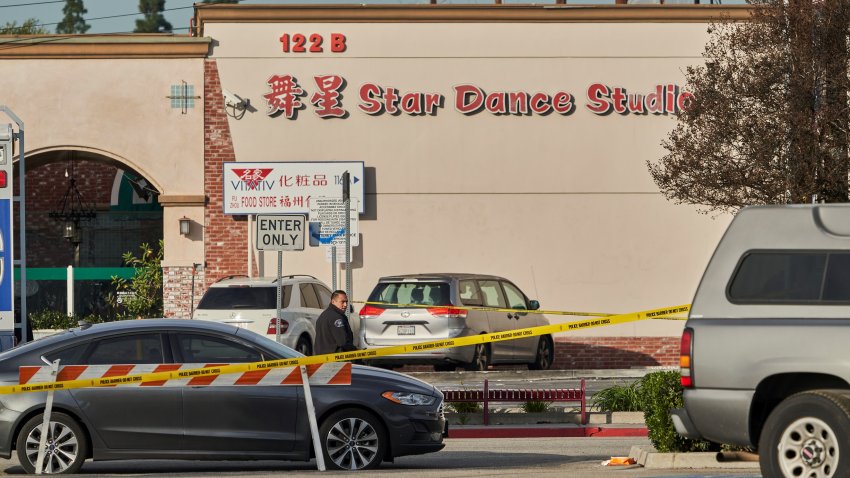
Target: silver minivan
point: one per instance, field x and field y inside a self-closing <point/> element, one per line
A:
<point x="421" y="307"/>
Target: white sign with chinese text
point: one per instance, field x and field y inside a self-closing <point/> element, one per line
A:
<point x="284" y="232"/>
<point x="284" y="187"/>
<point x="330" y="212"/>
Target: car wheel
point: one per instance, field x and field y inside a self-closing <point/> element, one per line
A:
<point x="545" y="354"/>
<point x="808" y="434"/>
<point x="445" y="367"/>
<point x="353" y="439"/>
<point x="67" y="448"/>
<point x="480" y="358"/>
<point x="304" y="346"/>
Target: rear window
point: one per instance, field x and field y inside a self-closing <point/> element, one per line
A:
<point x="246" y="298"/>
<point x="792" y="277"/>
<point x="419" y="293"/>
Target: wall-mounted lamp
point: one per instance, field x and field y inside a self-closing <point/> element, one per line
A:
<point x="184" y="225"/>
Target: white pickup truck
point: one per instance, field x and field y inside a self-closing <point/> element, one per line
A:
<point x="765" y="355"/>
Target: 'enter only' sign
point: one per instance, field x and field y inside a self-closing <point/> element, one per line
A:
<point x="281" y="232"/>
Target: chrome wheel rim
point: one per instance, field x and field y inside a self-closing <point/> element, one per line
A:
<point x="545" y="354"/>
<point x="808" y="448"/>
<point x="352" y="443"/>
<point x="60" y="451"/>
<point x="303" y="348"/>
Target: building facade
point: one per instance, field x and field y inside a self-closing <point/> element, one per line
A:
<point x="506" y="139"/>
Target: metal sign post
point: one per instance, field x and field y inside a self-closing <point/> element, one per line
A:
<point x="286" y="233"/>
<point x="333" y="266"/>
<point x="346" y="197"/>
<point x="280" y="233"/>
<point x="279" y="296"/>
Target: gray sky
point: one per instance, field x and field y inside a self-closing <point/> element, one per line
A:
<point x="181" y="12"/>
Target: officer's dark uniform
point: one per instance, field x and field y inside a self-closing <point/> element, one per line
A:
<point x="333" y="332"/>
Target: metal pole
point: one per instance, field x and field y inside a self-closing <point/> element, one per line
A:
<point x="45" y="423"/>
<point x="70" y="291"/>
<point x="22" y="230"/>
<point x="192" y="300"/>
<point x="250" y="246"/>
<point x="333" y="266"/>
<point x="279" y="296"/>
<point x="346" y="196"/>
<point x="311" y="417"/>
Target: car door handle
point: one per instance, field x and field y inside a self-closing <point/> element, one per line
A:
<point x="511" y="316"/>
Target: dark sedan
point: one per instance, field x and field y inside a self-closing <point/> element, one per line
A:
<point x="380" y="416"/>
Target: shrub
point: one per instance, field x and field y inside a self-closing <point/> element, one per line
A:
<point x="536" y="406"/>
<point x="145" y="288"/>
<point x="53" y="319"/>
<point x="618" y="398"/>
<point x="466" y="407"/>
<point x="659" y="392"/>
<point x="463" y="409"/>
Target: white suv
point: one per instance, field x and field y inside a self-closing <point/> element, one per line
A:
<point x="250" y="303"/>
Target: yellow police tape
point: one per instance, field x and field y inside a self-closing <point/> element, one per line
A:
<point x="359" y="354"/>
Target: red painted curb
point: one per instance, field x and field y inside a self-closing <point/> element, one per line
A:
<point x="570" y="432"/>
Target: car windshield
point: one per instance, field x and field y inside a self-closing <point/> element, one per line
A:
<point x="239" y="298"/>
<point x="417" y="293"/>
<point x="24" y="348"/>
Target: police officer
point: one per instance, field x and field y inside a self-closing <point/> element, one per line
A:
<point x="333" y="332"/>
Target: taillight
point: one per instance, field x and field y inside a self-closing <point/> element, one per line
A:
<point x="284" y="326"/>
<point x="447" y="312"/>
<point x="686" y="363"/>
<point x="370" y="311"/>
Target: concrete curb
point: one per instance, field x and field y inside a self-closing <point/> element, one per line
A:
<point x="649" y="458"/>
<point x="544" y="431"/>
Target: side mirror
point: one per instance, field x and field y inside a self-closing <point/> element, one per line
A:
<point x="533" y="305"/>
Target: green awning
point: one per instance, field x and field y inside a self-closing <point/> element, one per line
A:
<point x="80" y="273"/>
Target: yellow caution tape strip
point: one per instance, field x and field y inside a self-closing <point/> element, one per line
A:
<point x="359" y="354"/>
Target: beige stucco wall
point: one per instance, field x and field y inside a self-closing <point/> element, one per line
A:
<point x="117" y="109"/>
<point x="561" y="205"/>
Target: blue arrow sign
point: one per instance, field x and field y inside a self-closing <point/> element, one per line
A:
<point x="315" y="235"/>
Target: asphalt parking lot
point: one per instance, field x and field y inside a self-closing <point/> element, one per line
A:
<point x="542" y="457"/>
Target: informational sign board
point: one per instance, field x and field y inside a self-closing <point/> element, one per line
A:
<point x="340" y="254"/>
<point x="330" y="212"/>
<point x="284" y="232"/>
<point x="284" y="187"/>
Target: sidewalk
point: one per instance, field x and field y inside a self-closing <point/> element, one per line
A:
<point x="547" y="430"/>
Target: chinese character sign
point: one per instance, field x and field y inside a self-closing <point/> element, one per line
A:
<point x="286" y="187"/>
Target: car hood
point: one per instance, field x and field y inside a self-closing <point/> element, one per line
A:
<point x="373" y="374"/>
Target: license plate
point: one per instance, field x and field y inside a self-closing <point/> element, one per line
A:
<point x="406" y="330"/>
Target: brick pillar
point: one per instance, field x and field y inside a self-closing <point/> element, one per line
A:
<point x="177" y="291"/>
<point x="226" y="237"/>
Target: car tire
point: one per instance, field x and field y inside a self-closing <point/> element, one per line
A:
<point x="808" y="434"/>
<point x="545" y="354"/>
<point x="67" y="444"/>
<point x="304" y="346"/>
<point x="480" y="358"/>
<point x="353" y="439"/>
